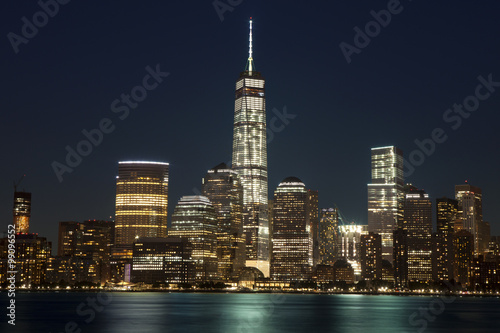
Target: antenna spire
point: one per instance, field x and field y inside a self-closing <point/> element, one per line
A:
<point x="250" y="64"/>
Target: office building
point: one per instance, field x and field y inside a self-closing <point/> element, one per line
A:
<point x="141" y="201"/>
<point x="163" y="261"/>
<point x="417" y="222"/>
<point x="194" y="218"/>
<point x="292" y="257"/>
<point x="250" y="161"/>
<point x="385" y="195"/>
<point x="22" y="211"/>
<point x="470" y="203"/>
<point x="222" y="187"/>
<point x="371" y="256"/>
<point x="328" y="235"/>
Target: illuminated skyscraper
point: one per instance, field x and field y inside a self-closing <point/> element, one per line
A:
<point x="141" y="201"/>
<point x="194" y="218"/>
<point x="417" y="222"/>
<point x="292" y="257"/>
<point x="470" y="205"/>
<point x="328" y="235"/>
<point x="442" y="240"/>
<point x="250" y="161"/>
<point x="222" y="187"/>
<point x="371" y="256"/>
<point x="463" y="253"/>
<point x="385" y="195"/>
<point x="22" y="211"/>
<point x="313" y="216"/>
<point x="349" y="243"/>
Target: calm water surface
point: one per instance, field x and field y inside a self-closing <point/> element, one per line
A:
<point x="263" y="313"/>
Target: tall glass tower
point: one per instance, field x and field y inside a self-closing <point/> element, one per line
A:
<point x="385" y="195"/>
<point x="250" y="161"/>
<point x="141" y="201"/>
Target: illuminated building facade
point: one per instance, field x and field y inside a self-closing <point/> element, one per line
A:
<point x="328" y="235"/>
<point x="470" y="204"/>
<point x="348" y="246"/>
<point x="250" y="161"/>
<point x="22" y="211"/>
<point x="141" y="201"/>
<point x="313" y="216"/>
<point x="442" y="240"/>
<point x="163" y="260"/>
<point x="385" y="195"/>
<point x="417" y="222"/>
<point x="371" y="256"/>
<point x="32" y="254"/>
<point x="222" y="187"/>
<point x="194" y="218"/>
<point x="88" y="244"/>
<point x="400" y="258"/>
<point x="463" y="253"/>
<point x="292" y="257"/>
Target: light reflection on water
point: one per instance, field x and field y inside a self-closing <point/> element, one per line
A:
<point x="248" y="313"/>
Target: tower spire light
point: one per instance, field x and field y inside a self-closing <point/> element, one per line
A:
<point x="250" y="49"/>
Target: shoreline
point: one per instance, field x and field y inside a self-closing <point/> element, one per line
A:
<point x="479" y="295"/>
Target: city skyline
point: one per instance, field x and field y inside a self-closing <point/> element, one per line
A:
<point x="287" y="155"/>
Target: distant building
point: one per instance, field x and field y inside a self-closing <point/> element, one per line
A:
<point x="385" y="195"/>
<point x="401" y="258"/>
<point x="249" y="160"/>
<point x="313" y="217"/>
<point x="470" y="202"/>
<point x="32" y="254"/>
<point x="324" y="273"/>
<point x="222" y="187"/>
<point x="141" y="201"/>
<point x="348" y="245"/>
<point x="371" y="256"/>
<point x="387" y="271"/>
<point x="463" y="250"/>
<point x="292" y="257"/>
<point x="163" y="260"/>
<point x="328" y="235"/>
<point x="343" y="271"/>
<point x="485" y="275"/>
<point x="194" y="218"/>
<point x="442" y="240"/>
<point x="89" y="245"/>
<point x="22" y="211"/>
<point x="417" y="222"/>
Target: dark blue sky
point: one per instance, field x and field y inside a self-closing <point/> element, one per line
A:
<point x="394" y="91"/>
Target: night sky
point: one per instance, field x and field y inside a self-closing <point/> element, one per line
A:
<point x="395" y="90"/>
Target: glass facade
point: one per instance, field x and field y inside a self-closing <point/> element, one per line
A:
<point x="249" y="160"/>
<point x="292" y="257"/>
<point x="194" y="218"/>
<point x="222" y="187"/>
<point x="328" y="235"/>
<point x="22" y="211"/>
<point x="470" y="203"/>
<point x="417" y="222"/>
<point x="385" y="195"/>
<point x="141" y="201"/>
